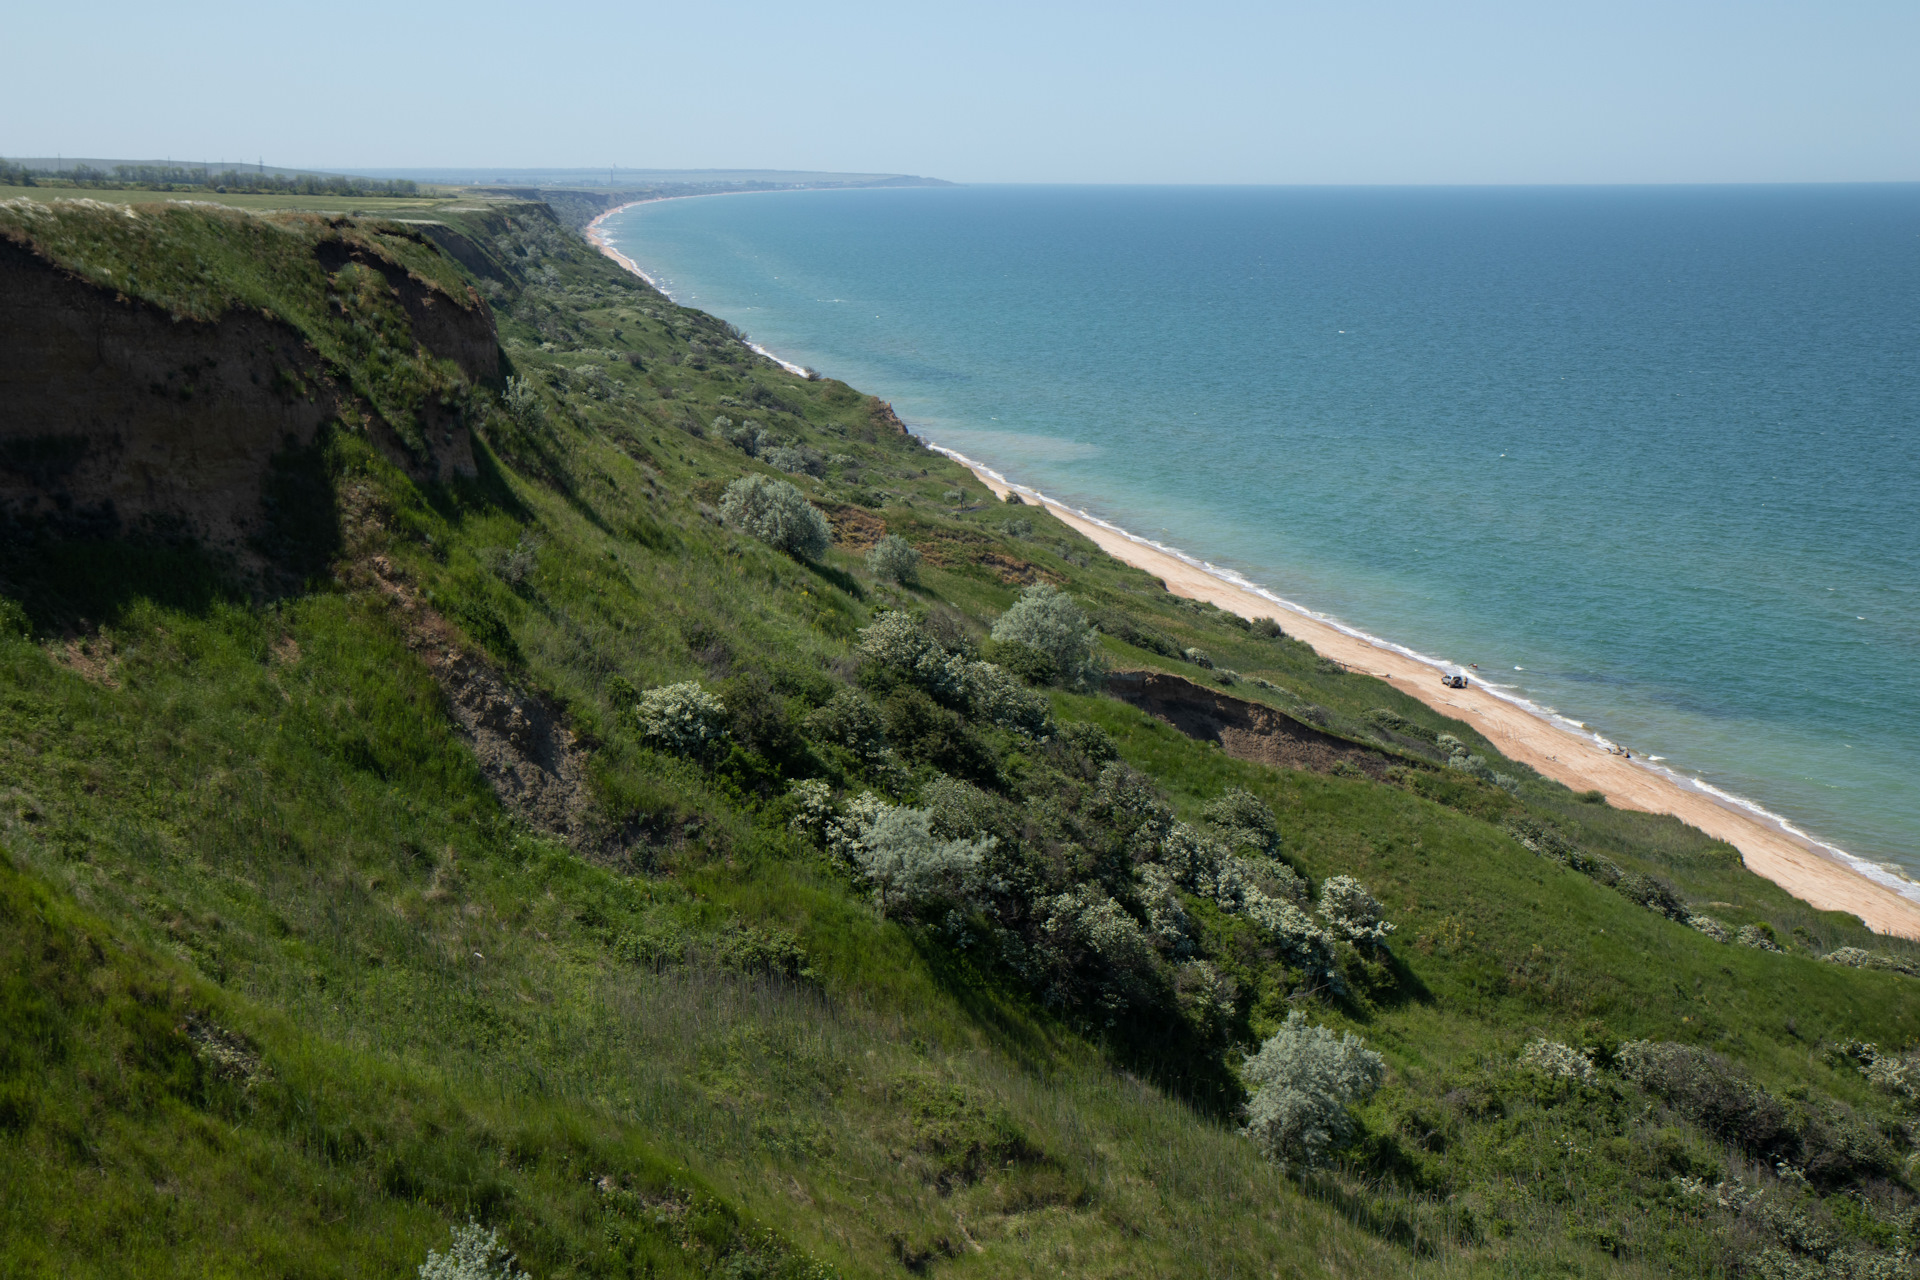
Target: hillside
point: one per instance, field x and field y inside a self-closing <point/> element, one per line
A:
<point x="358" y="880"/>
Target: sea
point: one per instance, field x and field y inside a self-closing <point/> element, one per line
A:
<point x="1649" y="456"/>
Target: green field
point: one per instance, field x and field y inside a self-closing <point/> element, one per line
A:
<point x="289" y="990"/>
<point x="368" y="206"/>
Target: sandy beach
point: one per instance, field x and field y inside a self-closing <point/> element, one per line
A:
<point x="1788" y="861"/>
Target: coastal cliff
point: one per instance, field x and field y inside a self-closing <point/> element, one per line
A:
<point x="584" y="845"/>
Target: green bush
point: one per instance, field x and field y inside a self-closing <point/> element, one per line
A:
<point x="893" y="559"/>
<point x="682" y="718"/>
<point x="1045" y="619"/>
<point x="778" y="514"/>
<point x="1305" y="1079"/>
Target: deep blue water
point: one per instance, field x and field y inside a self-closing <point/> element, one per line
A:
<point x="1660" y="447"/>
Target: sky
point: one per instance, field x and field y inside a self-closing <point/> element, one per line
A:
<point x="1355" y="91"/>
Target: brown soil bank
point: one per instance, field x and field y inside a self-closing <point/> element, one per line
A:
<point x="1245" y="730"/>
<point x="116" y="416"/>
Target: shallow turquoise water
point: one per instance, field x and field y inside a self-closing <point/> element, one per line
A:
<point x="1659" y="447"/>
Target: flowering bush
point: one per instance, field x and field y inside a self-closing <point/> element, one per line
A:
<point x="1243" y="820"/>
<point x="1759" y="937"/>
<point x="474" y="1255"/>
<point x="894" y="560"/>
<point x="778" y="514"/>
<point x="1352" y="914"/>
<point x="523" y="404"/>
<point x="1550" y="1057"/>
<point x="1305" y="1080"/>
<point x="897" y="642"/>
<point x="1168" y="923"/>
<point x="1089" y="918"/>
<point x="682" y="718"/>
<point x="904" y="862"/>
<point x="1044" y="619"/>
<point x="1859" y="958"/>
<point x="1711" y="927"/>
<point x="1199" y="658"/>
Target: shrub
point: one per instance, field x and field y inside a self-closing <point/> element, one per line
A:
<point x="1025" y="661"/>
<point x="1352" y="914"/>
<point x="994" y="696"/>
<point x="1305" y="1080"/>
<point x="1206" y="996"/>
<point x="1044" y="619"/>
<point x="1199" y="658"/>
<point x="749" y="437"/>
<point x="897" y="643"/>
<point x="474" y="1255"/>
<point x="894" y="560"/>
<point x="896" y="852"/>
<point x="778" y="514"/>
<point x="1085" y="918"/>
<point x="849" y="720"/>
<point x="523" y="404"/>
<point x="1305" y="945"/>
<point x="1550" y="1057"/>
<point x="1087" y="740"/>
<point x="1711" y="927"/>
<point x="1268" y="628"/>
<point x="794" y="460"/>
<point x="1168" y="923"/>
<point x="1757" y="936"/>
<point x="1243" y="820"/>
<point x="1705" y="1088"/>
<point x="1859" y="958"/>
<point x="682" y="718"/>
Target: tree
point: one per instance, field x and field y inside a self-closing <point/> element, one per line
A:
<point x="778" y="514"/>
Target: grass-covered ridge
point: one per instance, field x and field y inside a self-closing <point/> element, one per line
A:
<point x="289" y="989"/>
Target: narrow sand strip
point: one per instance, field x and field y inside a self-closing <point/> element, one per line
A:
<point x="1584" y="766"/>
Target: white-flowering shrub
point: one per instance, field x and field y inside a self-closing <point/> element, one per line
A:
<point x="1352" y="914"/>
<point x="1859" y="958"/>
<point x="900" y="857"/>
<point x="1752" y="935"/>
<point x="893" y="559"/>
<point x="1044" y="619"/>
<point x="1305" y="1079"/>
<point x="778" y="514"/>
<point x="1242" y="819"/>
<point x="1304" y="944"/>
<point x="1206" y="996"/>
<point x="1550" y="1057"/>
<point x="895" y="640"/>
<point x="1167" y="920"/>
<point x="1194" y="858"/>
<point x="523" y="404"/>
<point x="1199" y="658"/>
<point x="994" y="695"/>
<point x="682" y="718"/>
<point x="1711" y="927"/>
<point x="474" y="1255"/>
<point x="1089" y="918"/>
<point x="812" y="806"/>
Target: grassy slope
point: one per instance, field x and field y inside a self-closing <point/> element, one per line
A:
<point x="221" y="812"/>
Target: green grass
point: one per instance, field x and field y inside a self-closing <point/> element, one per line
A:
<point x="254" y="815"/>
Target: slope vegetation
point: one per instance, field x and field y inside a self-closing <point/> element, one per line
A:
<point x="525" y="841"/>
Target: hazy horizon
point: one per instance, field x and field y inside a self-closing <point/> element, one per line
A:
<point x="1500" y="94"/>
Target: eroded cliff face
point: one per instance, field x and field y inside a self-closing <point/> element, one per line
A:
<point x="117" y="417"/>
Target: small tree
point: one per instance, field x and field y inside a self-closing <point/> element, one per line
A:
<point x="1044" y="619"/>
<point x="894" y="559"/>
<point x="778" y="514"/>
<point x="682" y="718"/>
<point x="523" y="404"/>
<point x="1305" y="1078"/>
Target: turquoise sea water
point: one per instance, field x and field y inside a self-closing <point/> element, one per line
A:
<point x="1649" y="456"/>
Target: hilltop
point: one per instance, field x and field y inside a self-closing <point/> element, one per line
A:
<point x="431" y="794"/>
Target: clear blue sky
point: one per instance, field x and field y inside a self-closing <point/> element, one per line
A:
<point x="1343" y="91"/>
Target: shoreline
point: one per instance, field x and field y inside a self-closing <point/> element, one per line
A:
<point x="598" y="239"/>
<point x="1556" y="746"/>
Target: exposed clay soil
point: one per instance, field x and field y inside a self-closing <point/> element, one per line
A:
<point x="1245" y="730"/>
<point x="529" y="756"/>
